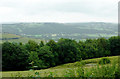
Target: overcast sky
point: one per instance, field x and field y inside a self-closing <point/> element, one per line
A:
<point x="58" y="11"/>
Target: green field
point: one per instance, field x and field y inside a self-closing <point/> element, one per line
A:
<point x="23" y="40"/>
<point x="89" y="66"/>
<point x="7" y="35"/>
<point x="20" y="38"/>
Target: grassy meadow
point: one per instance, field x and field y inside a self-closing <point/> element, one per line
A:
<point x="83" y="68"/>
<point x="9" y="38"/>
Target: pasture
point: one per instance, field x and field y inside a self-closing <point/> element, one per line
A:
<point x="83" y="68"/>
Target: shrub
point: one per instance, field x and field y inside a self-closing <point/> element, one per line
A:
<point x="69" y="73"/>
<point x="104" y="61"/>
<point x="80" y="72"/>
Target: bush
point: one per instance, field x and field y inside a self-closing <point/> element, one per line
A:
<point x="104" y="61"/>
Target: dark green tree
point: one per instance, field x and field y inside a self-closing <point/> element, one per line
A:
<point x="32" y="45"/>
<point x="35" y="61"/>
<point x="54" y="49"/>
<point x="68" y="50"/>
<point x="41" y="44"/>
<point x="14" y="56"/>
<point x="114" y="45"/>
<point x="103" y="47"/>
<point x="46" y="56"/>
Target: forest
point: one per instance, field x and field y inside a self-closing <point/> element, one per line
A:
<point x="19" y="56"/>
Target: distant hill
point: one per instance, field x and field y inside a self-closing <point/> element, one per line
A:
<point x="62" y="30"/>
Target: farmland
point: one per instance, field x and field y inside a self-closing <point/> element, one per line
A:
<point x="16" y="38"/>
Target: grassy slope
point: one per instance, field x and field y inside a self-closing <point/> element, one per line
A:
<point x="6" y="35"/>
<point x="21" y="39"/>
<point x="59" y="70"/>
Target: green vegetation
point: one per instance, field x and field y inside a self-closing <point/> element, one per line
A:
<point x="7" y="35"/>
<point x="36" y="56"/>
<point x="78" y="31"/>
<point x="17" y="38"/>
<point x="104" y="61"/>
<point x="76" y="69"/>
<point x="55" y="53"/>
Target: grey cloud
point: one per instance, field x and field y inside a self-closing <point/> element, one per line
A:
<point x="37" y="7"/>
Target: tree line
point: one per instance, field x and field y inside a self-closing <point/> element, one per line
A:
<point x="19" y="56"/>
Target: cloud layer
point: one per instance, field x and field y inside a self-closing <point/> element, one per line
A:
<point x="58" y="10"/>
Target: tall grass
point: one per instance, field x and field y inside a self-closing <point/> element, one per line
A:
<point x="108" y="70"/>
<point x="101" y="71"/>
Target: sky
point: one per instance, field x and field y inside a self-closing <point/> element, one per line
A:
<point x="62" y="11"/>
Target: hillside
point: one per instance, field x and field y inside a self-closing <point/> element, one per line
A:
<point x="60" y="71"/>
<point x="16" y="38"/>
<point x="62" y="30"/>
